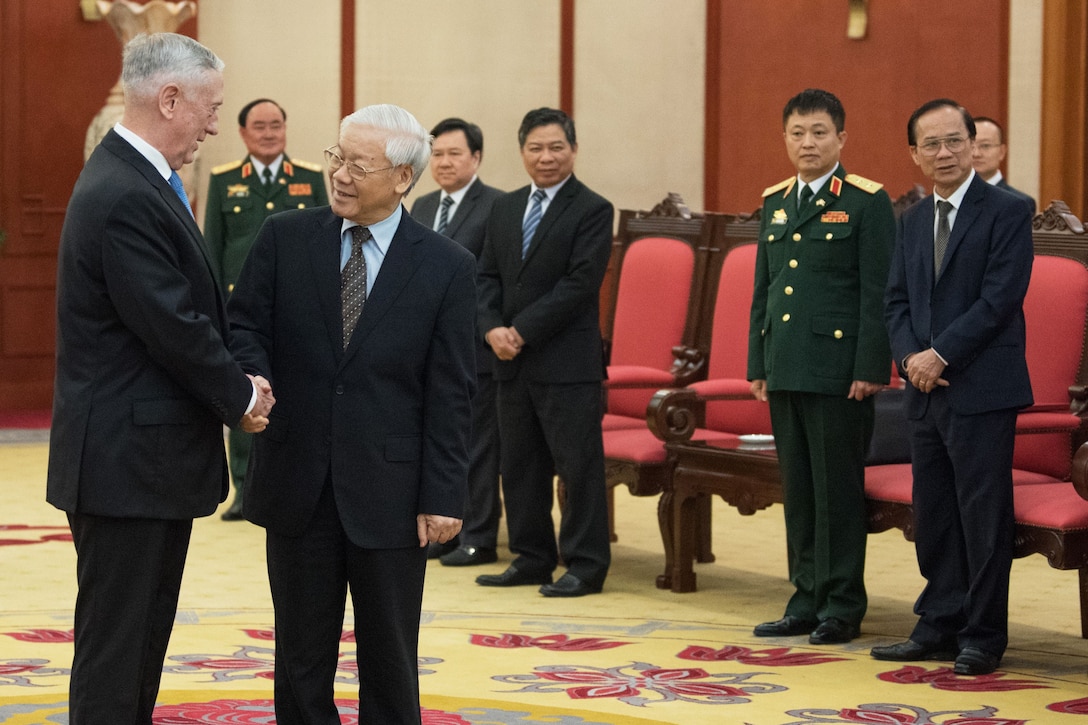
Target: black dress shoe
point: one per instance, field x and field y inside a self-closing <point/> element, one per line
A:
<point x="975" y="661"/>
<point x="788" y="626"/>
<point x="911" y="651"/>
<point x="234" y="513"/>
<point x="569" y="586"/>
<point x="512" y="578"/>
<point x="437" y="551"/>
<point x="469" y="556"/>
<point x="833" y="631"/>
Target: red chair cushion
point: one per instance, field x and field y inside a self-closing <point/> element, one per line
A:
<point x="642" y="446"/>
<point x="1051" y="505"/>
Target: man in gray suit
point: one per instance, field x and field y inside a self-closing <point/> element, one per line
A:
<point x="459" y="210"/>
<point x="144" y="381"/>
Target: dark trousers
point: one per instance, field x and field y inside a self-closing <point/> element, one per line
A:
<point x="310" y="576"/>
<point x="822" y="441"/>
<point x="964" y="524"/>
<point x="129" y="574"/>
<point x="239" y="444"/>
<point x="547" y="430"/>
<point x="484" y="506"/>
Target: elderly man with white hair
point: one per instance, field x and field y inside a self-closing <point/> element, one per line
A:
<point x="362" y="319"/>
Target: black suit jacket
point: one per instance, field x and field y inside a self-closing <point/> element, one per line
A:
<point x="467" y="227"/>
<point x="550" y="297"/>
<point x="388" y="419"/>
<point x="144" y="381"/>
<point x="973" y="315"/>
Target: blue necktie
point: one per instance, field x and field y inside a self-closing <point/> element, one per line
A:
<point x="179" y="188"/>
<point x="532" y="221"/>
<point x="444" y="216"/>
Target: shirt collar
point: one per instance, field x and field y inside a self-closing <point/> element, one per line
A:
<point x="995" y="179"/>
<point x="817" y="184"/>
<point x="274" y="167"/>
<point x="146" y="150"/>
<point x="382" y="231"/>
<point x="551" y="191"/>
<point x="458" y="195"/>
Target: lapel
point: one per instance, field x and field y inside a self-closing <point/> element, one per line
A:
<point x="325" y="266"/>
<point x="821" y="201"/>
<point x="924" y="251"/>
<point x="556" y="209"/>
<point x="399" y="265"/>
<point x="965" y="217"/>
<point x="124" y="150"/>
<point x="468" y="201"/>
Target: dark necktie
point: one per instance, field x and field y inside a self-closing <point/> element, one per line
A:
<point x="179" y="189"/>
<point x="802" y="198"/>
<point x="444" y="215"/>
<point x="353" y="283"/>
<point x="940" y="242"/>
<point x="532" y="221"/>
<point x="267" y="176"/>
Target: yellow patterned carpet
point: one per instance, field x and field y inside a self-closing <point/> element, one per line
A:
<point x="631" y="655"/>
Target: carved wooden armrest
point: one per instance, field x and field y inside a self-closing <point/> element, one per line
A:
<point x="1078" y="400"/>
<point x="673" y="415"/>
<point x="688" y="365"/>
<point x="1080" y="471"/>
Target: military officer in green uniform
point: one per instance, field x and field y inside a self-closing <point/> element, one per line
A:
<point x="241" y="195"/>
<point x="817" y="352"/>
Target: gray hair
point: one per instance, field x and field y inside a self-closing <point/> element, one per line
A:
<point x="150" y="61"/>
<point x="407" y="143"/>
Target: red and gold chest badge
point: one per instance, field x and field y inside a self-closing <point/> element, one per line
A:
<point x="835" y="217"/>
<point x="299" y="190"/>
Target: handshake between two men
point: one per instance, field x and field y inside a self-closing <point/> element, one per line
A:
<point x="257" y="418"/>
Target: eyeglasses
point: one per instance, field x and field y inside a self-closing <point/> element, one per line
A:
<point x="335" y="161"/>
<point x="984" y="147"/>
<point x="954" y="144"/>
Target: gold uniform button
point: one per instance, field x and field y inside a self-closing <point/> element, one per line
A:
<point x="770" y="238"/>
<point x="270" y="206"/>
<point x="828" y="237"/>
<point x="230" y="288"/>
<point x="796" y="236"/>
<point x="237" y="209"/>
<point x="301" y="205"/>
<point x="838" y="334"/>
<point x="793" y="264"/>
<point x="789" y="290"/>
<point x="786" y="317"/>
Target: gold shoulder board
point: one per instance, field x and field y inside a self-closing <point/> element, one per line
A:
<point x="307" y="165"/>
<point x="867" y="185"/>
<point x="780" y="185"/>
<point x="229" y="166"/>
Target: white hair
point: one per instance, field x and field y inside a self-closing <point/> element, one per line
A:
<point x="407" y="141"/>
<point x="150" y="61"/>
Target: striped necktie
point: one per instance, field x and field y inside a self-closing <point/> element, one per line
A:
<point x="444" y="215"/>
<point x="532" y="220"/>
<point x="940" y="242"/>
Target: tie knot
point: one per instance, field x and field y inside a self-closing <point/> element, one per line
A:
<point x="943" y="208"/>
<point x="539" y="195"/>
<point x="447" y="202"/>
<point x="359" y="235"/>
<point x="267" y="175"/>
<point x="806" y="193"/>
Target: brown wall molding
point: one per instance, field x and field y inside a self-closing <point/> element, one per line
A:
<point x="347" y="57"/>
<point x="1064" y="137"/>
<point x="566" y="56"/>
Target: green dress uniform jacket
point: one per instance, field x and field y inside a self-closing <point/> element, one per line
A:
<point x="817" y="325"/>
<point x="239" y="202"/>
<point x="817" y="319"/>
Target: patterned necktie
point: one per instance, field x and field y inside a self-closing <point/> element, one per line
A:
<point x="353" y="283"/>
<point x="444" y="215"/>
<point x="532" y="221"/>
<point x="267" y="176"/>
<point x="179" y="189"/>
<point x="802" y="198"/>
<point x="940" y="242"/>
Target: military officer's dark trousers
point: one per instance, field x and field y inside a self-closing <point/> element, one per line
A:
<point x="822" y="441"/>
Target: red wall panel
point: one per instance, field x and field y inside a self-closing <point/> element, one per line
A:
<point x="764" y="53"/>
